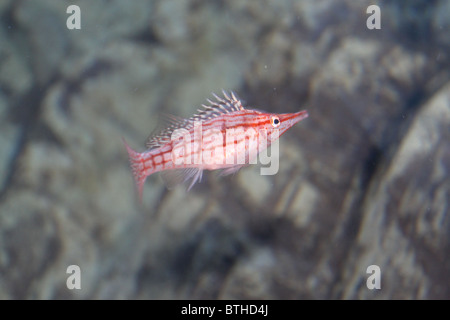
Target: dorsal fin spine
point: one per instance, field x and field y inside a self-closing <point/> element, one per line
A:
<point x="216" y="108"/>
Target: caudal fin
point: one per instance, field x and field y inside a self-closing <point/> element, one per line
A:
<point x="137" y="167"/>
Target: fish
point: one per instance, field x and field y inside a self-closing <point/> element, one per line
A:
<point x="223" y="135"/>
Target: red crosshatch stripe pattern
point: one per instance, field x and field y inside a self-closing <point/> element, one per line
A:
<point x="226" y="117"/>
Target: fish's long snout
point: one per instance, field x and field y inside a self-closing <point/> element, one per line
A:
<point x="293" y="118"/>
<point x="299" y="116"/>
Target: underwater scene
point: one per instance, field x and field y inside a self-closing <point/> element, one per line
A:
<point x="347" y="199"/>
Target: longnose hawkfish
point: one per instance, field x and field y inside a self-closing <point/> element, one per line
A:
<point x="222" y="135"/>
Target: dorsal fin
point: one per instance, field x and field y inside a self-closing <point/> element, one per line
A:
<point x="167" y="124"/>
<point x="229" y="103"/>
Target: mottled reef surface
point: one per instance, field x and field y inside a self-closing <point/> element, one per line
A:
<point x="365" y="180"/>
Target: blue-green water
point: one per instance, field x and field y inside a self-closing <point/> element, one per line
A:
<point x="363" y="181"/>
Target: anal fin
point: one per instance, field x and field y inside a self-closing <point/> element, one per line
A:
<point x="231" y="170"/>
<point x="172" y="178"/>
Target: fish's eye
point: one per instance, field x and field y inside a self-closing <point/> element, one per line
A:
<point x="275" y="121"/>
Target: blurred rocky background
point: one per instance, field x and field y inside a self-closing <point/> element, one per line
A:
<point x="363" y="181"/>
